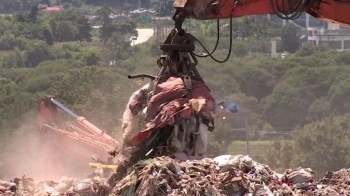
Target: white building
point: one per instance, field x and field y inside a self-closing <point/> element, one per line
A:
<point x="333" y="36"/>
<point x="319" y="32"/>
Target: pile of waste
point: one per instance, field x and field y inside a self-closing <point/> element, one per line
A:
<point x="66" y="186"/>
<point x="224" y="175"/>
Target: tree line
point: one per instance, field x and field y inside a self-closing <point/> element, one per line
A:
<point x="59" y="53"/>
<point x="11" y="6"/>
<point x="31" y="36"/>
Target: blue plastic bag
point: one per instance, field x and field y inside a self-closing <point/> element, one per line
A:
<point x="229" y="106"/>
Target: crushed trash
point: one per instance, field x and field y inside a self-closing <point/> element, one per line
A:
<point x="224" y="175"/>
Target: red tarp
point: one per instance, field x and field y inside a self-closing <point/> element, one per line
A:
<point x="169" y="100"/>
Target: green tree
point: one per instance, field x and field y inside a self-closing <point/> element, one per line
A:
<point x="338" y="95"/>
<point x="125" y="28"/>
<point x="20" y="17"/>
<point x="84" y="29"/>
<point x="65" y="31"/>
<point x="67" y="5"/>
<point x="38" y="31"/>
<point x="69" y="25"/>
<point x="36" y="52"/>
<point x="119" y="46"/>
<point x="310" y="49"/>
<point x="9" y="41"/>
<point x="66" y="1"/>
<point x="9" y="61"/>
<point x="106" y="29"/>
<point x="254" y="81"/>
<point x="32" y="16"/>
<point x="289" y="38"/>
<point x="27" y="17"/>
<point x="145" y="3"/>
<point x="92" y="58"/>
<point x="241" y="50"/>
<point x="20" y="58"/>
<point x="77" y="3"/>
<point x="320" y="145"/>
<point x="4" y="25"/>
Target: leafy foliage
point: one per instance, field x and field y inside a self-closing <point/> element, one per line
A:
<point x="321" y="145"/>
<point x="290" y="41"/>
<point x="55" y="53"/>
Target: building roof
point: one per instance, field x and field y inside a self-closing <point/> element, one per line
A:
<point x="142" y="10"/>
<point x="53" y="8"/>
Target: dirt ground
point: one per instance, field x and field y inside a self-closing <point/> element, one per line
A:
<point x="144" y="35"/>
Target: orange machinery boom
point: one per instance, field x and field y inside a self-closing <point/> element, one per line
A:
<point x="49" y="117"/>
<point x="329" y="10"/>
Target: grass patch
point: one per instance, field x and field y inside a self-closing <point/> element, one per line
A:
<point x="4" y="53"/>
<point x="95" y="33"/>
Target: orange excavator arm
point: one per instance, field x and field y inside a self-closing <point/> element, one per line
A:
<point x="49" y="117"/>
<point x="337" y="11"/>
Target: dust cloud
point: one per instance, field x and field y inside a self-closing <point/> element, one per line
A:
<point x="42" y="155"/>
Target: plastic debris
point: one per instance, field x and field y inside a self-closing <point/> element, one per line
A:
<point x="224" y="175"/>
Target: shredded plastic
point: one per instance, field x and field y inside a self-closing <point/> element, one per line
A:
<point x="163" y="176"/>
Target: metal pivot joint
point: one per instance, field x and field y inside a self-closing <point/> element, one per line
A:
<point x="177" y="58"/>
